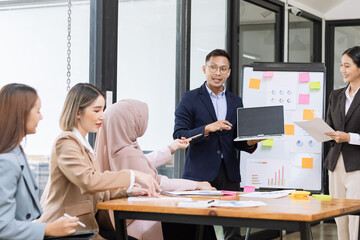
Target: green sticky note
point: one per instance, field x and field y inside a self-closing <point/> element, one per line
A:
<point x="268" y="142"/>
<point x="321" y="197"/>
<point x="315" y="85"/>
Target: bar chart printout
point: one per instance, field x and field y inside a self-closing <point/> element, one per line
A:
<point x="265" y="174"/>
<point x="278" y="179"/>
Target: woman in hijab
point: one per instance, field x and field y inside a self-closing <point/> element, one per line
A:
<point x="117" y="148"/>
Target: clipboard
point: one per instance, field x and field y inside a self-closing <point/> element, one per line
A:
<point x="87" y="234"/>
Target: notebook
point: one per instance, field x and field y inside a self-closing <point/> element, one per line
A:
<point x="260" y="123"/>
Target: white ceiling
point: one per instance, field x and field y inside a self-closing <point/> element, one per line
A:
<point x="322" y="6"/>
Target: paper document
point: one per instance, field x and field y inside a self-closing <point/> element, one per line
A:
<point x="150" y="199"/>
<point x="273" y="194"/>
<point x="197" y="193"/>
<point x="316" y="128"/>
<point x="219" y="203"/>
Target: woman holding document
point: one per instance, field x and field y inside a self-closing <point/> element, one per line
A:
<point x="343" y="159"/>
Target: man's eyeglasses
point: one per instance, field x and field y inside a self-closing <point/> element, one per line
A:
<point x="213" y="68"/>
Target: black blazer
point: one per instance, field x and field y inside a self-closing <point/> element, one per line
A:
<point x="203" y="157"/>
<point x="336" y="118"/>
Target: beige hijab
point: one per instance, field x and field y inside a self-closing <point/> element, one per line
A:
<point x="116" y="146"/>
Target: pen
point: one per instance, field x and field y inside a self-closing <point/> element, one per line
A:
<point x="195" y="136"/>
<point x="211" y="201"/>
<point x="70" y="217"/>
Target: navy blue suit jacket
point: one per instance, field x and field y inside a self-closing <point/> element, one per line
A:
<point x="203" y="157"/>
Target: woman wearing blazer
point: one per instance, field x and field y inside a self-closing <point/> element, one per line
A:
<point x="343" y="159"/>
<point x="19" y="203"/>
<point x="76" y="183"/>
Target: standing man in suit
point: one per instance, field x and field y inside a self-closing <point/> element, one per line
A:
<point x="343" y="159"/>
<point x="210" y="111"/>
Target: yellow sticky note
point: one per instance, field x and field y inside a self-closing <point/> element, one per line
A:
<point x="268" y="142"/>
<point x="307" y="163"/>
<point x="289" y="129"/>
<point x="315" y="85"/>
<point x="308" y="114"/>
<point x="254" y="83"/>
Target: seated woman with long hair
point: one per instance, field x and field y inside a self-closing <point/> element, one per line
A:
<point x="117" y="148"/>
<point x="76" y="183"/>
<point x="19" y="203"/>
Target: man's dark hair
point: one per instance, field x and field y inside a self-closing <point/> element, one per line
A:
<point x="217" y="53"/>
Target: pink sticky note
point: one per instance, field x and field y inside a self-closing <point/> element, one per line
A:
<point x="304" y="98"/>
<point x="249" y="189"/>
<point x="304" y="77"/>
<point x="268" y="74"/>
<point x="228" y="192"/>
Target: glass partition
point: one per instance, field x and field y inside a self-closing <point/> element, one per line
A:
<point x="33" y="50"/>
<point x="208" y="32"/>
<point x="257" y="34"/>
<point x="300" y="39"/>
<point x="345" y="37"/>
<point x="146" y="66"/>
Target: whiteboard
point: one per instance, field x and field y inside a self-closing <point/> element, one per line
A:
<point x="294" y="161"/>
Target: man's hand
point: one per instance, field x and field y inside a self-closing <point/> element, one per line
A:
<point x="217" y="126"/>
<point x="339" y="136"/>
<point x="253" y="142"/>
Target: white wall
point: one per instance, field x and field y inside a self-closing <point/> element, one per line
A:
<point x="33" y="51"/>
<point x="349" y="9"/>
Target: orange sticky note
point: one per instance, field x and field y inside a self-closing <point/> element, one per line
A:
<point x="307" y="163"/>
<point x="289" y="129"/>
<point x="308" y="114"/>
<point x="254" y="83"/>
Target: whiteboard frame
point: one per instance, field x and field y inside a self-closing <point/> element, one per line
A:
<point x="293" y="67"/>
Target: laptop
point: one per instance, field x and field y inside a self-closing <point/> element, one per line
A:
<point x="260" y="123"/>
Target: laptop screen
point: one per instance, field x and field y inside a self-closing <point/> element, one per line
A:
<point x="260" y="120"/>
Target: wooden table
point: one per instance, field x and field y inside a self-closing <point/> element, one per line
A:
<point x="281" y="214"/>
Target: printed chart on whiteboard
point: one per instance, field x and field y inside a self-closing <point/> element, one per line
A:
<point x="295" y="160"/>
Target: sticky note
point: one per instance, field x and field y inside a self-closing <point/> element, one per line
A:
<point x="249" y="189"/>
<point x="268" y="142"/>
<point x="304" y="98"/>
<point x="304" y="77"/>
<point x="321" y="197"/>
<point x="308" y="114"/>
<point x="289" y="129"/>
<point x="315" y="85"/>
<point x="300" y="195"/>
<point x="268" y="74"/>
<point x="232" y="193"/>
<point x="254" y="83"/>
<point x="307" y="162"/>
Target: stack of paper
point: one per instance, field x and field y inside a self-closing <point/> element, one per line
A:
<point x="149" y="199"/>
<point x="219" y="203"/>
<point x="273" y="194"/>
<point x="195" y="193"/>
